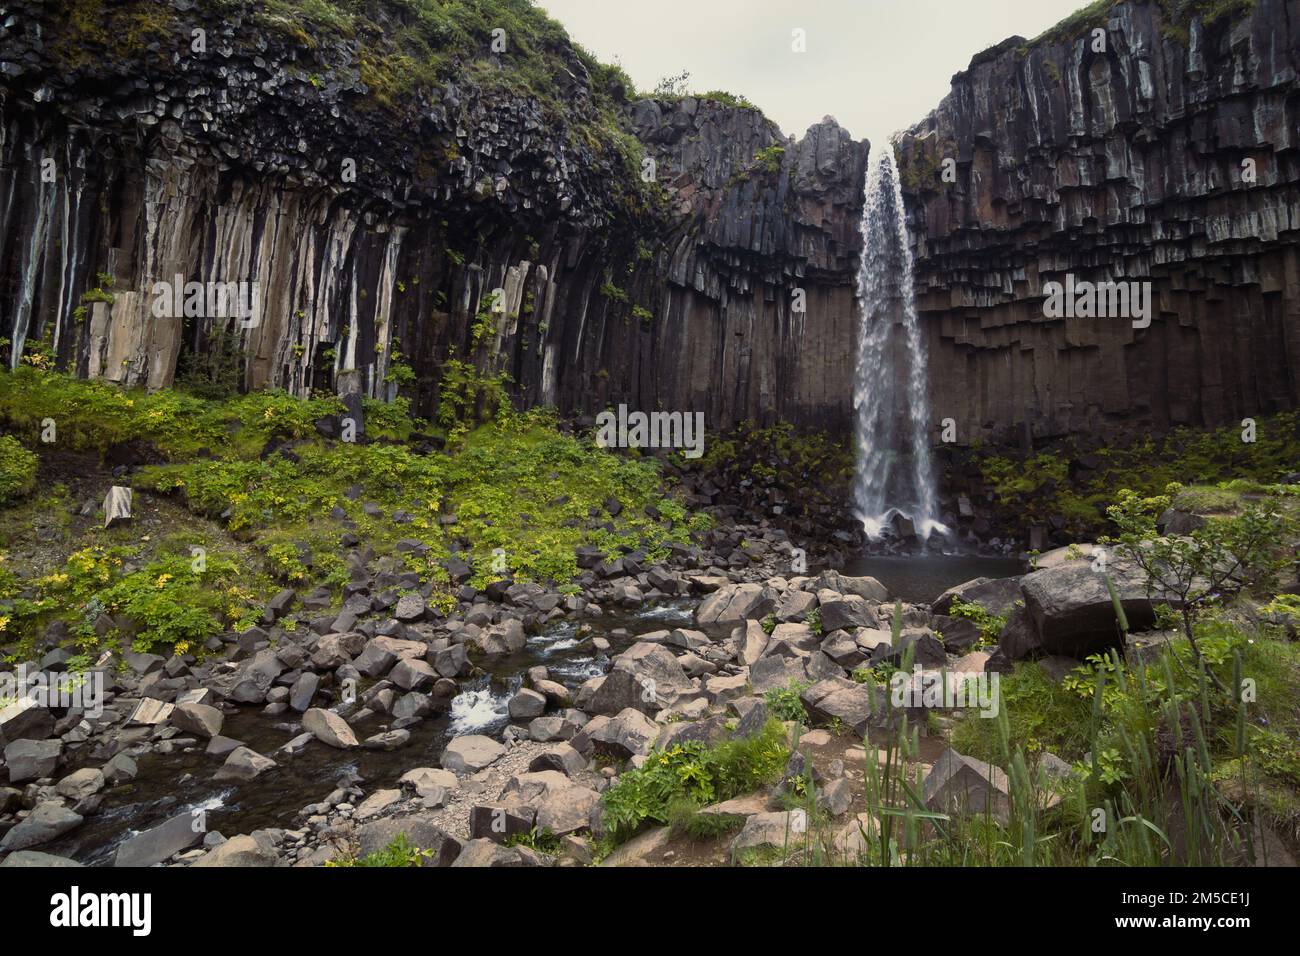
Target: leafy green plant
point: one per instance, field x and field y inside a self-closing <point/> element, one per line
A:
<point x="17" y="470"/>
<point x="990" y="625"/>
<point x="398" y="853"/>
<point x="1215" y="561"/>
<point x="786" y="703"/>
<point x="692" y="772"/>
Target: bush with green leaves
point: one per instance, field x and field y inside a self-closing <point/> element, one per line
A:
<point x="786" y="703"/>
<point x="398" y="853"/>
<point x="990" y="625"/>
<point x="695" y="773"/>
<point x="1211" y="564"/>
<point x="17" y="470"/>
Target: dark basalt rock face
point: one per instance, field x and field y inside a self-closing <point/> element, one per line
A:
<point x="1126" y="165"/>
<point x="148" y="160"/>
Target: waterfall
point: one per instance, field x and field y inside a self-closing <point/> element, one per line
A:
<point x="893" y="477"/>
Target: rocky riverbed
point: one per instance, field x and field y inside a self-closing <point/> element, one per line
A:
<point x="328" y="730"/>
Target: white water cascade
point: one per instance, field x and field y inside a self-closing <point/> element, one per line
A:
<point x="894" y="477"/>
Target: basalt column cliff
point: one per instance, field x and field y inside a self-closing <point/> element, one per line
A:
<point x="675" y="253"/>
<point x="1128" y="145"/>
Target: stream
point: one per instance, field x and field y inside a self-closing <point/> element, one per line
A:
<point x="168" y="784"/>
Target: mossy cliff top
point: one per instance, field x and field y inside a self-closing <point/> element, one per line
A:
<point x="485" y="100"/>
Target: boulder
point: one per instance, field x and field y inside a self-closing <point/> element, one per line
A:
<point x="471" y="753"/>
<point x="303" y="691"/>
<point x="80" y="784"/>
<point x="502" y="639"/>
<point x="243" y="764"/>
<point x="751" y="641"/>
<point x="567" y="811"/>
<point x="1071" y="608"/>
<point x="561" y="757"/>
<point x="864" y="587"/>
<point x="422" y="831"/>
<point x="48" y="821"/>
<point x="32" y="759"/>
<point x="198" y="719"/>
<point x="846" y="614"/>
<point x="24" y="719"/>
<point x="162" y="842"/>
<point x="780" y="830"/>
<point x="329" y="728"/>
<point x="486" y="853"/>
<point x="26" y="858"/>
<point x="242" y="850"/>
<point x="629" y="734"/>
<point x="117" y="506"/>
<point x="958" y="784"/>
<point x="526" y="704"/>
<point x="735" y="603"/>
<point x="995" y="595"/>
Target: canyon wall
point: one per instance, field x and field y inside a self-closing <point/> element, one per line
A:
<point x="1119" y="160"/>
<point x="378" y="236"/>
<point x="378" y="228"/>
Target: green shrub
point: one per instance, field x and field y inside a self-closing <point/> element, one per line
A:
<point x="17" y="469"/>
<point x="785" y="702"/>
<point x="990" y="625"/>
<point x="398" y="853"/>
<point x="695" y="773"/>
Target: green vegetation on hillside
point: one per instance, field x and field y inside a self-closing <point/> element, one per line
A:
<point x="512" y="496"/>
<point x="1215" y="462"/>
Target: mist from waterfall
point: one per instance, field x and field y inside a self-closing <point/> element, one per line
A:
<point x="894" y="473"/>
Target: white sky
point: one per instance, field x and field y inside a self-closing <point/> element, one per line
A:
<point x="877" y="66"/>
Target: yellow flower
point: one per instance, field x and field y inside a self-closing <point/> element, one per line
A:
<point x="4" y="622"/>
<point x="162" y="580"/>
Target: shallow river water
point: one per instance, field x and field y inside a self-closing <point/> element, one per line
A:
<point x="168" y="784"/>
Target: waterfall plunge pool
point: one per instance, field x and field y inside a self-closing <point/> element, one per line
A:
<point x="920" y="579"/>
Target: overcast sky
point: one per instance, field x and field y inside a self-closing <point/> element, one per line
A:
<point x="877" y="66"/>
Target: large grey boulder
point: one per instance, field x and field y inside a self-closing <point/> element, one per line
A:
<point x="303" y="691"/>
<point x="244" y="764"/>
<point x="27" y="858"/>
<point x="995" y="595"/>
<point x="864" y="587"/>
<point x="626" y="735"/>
<point x="958" y="784"/>
<point x="162" y="842"/>
<point x="32" y="759"/>
<point x="502" y="639"/>
<point x="24" y="719"/>
<point x="647" y="676"/>
<point x="567" y="811"/>
<point x="242" y="850"/>
<point x="750" y="640"/>
<point x="776" y="673"/>
<point x="561" y="757"/>
<point x="526" y="705"/>
<point x="1071" y="608"/>
<point x="422" y="832"/>
<point x="48" y="821"/>
<point x="329" y="728"/>
<point x="471" y="753"/>
<point x="735" y="603"/>
<point x="486" y="853"/>
<point x="858" y="706"/>
<point x="252" y="679"/>
<point x="786" y="829"/>
<point x="847" y="613"/>
<point x="198" y="719"/>
<point x="80" y="784"/>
